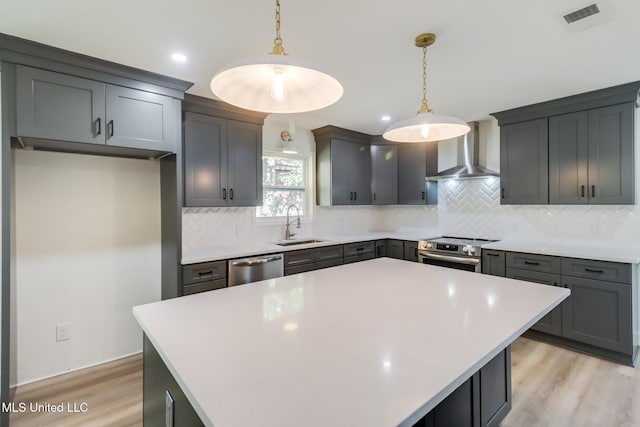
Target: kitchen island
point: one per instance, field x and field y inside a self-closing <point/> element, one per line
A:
<point x="377" y="343"/>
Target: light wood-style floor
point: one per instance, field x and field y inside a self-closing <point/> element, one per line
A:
<point x="551" y="387"/>
<point x="112" y="392"/>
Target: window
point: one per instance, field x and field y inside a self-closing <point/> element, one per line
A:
<point x="284" y="183"/>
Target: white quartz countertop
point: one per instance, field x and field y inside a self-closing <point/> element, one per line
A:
<point x="216" y="253"/>
<point x="375" y="343"/>
<point x="622" y="253"/>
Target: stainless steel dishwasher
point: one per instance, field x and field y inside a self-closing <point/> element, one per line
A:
<point x="246" y="270"/>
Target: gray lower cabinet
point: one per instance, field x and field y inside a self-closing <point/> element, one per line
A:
<point x="395" y="249"/>
<point x="598" y="313"/>
<point x="410" y="251"/>
<point x="381" y="248"/>
<point x="313" y="259"/>
<point x="597" y="317"/>
<point x="57" y="106"/>
<point x="206" y="276"/>
<point x="524" y="163"/>
<point x="356" y="252"/>
<point x="551" y="323"/>
<point x="591" y="156"/>
<point x="222" y="162"/>
<point x="384" y="174"/>
<point x="415" y="162"/>
<point x="493" y="262"/>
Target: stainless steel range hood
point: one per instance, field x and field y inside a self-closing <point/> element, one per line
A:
<point x="467" y="160"/>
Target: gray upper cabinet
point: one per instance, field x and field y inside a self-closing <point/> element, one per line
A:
<point x="568" y="154"/>
<point x="591" y="156"/>
<point x="244" y="168"/>
<point x="205" y="154"/>
<point x="56" y="106"/>
<point x="222" y="161"/>
<point x="611" y="155"/>
<point x="524" y="168"/>
<point x="415" y="162"/>
<point x="343" y="167"/>
<point x="138" y="119"/>
<point x="589" y="153"/>
<point x="384" y="174"/>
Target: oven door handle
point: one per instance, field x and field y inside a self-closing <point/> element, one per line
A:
<point x="459" y="260"/>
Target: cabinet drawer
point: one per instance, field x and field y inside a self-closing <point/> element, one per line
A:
<point x="358" y="258"/>
<point x="534" y="276"/>
<point x="299" y="269"/>
<point x="295" y="258"/>
<point x="329" y="253"/>
<point x="541" y="263"/>
<point x="600" y="270"/>
<point x="493" y="262"/>
<point x="209" y="285"/>
<point x="197" y="273"/>
<point x="329" y="263"/>
<point x="359" y="249"/>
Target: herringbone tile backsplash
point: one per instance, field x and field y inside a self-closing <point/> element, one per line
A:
<point x="468" y="208"/>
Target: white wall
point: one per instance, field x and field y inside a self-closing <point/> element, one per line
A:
<point x="88" y="250"/>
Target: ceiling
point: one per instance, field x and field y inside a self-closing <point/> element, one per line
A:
<point x="490" y="55"/>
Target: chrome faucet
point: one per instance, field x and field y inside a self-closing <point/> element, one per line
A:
<point x="287" y="233"/>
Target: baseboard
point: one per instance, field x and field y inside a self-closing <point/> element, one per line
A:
<point x="13" y="386"/>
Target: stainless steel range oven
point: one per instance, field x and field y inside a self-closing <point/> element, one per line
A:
<point x="454" y="252"/>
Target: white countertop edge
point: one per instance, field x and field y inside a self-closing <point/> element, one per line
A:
<point x="603" y="253"/>
<point x="192" y="400"/>
<point x="431" y="404"/>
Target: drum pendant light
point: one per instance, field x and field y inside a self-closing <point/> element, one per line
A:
<point x="276" y="82"/>
<point x="425" y="126"/>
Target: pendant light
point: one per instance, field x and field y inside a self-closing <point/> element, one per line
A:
<point x="276" y="82"/>
<point x="425" y="126"/>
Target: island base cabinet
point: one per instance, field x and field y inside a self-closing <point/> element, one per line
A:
<point x="483" y="400"/>
<point x="156" y="383"/>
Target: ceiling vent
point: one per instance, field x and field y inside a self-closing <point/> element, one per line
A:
<point x="585" y="17"/>
<point x="583" y="13"/>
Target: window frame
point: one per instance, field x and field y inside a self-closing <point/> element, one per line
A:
<point x="309" y="189"/>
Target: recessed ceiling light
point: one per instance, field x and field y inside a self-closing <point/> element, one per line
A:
<point x="385" y="118"/>
<point x="178" y="57"/>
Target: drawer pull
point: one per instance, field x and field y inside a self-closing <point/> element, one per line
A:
<point x="591" y="270"/>
<point x="360" y="249"/>
<point x="423" y="195"/>
<point x="593" y="191"/>
<point x="492" y="254"/>
<point x="532" y="262"/>
<point x="582" y="190"/>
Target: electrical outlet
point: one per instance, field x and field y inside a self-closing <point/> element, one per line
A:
<point x="63" y="331"/>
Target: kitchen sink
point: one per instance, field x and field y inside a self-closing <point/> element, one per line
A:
<point x="298" y="242"/>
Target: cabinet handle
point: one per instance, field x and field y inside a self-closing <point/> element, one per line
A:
<point x="423" y="195"/>
<point x="355" y="196"/>
<point x="582" y="190"/>
<point x="502" y="193"/>
<point x="350" y="195"/>
<point x="378" y="250"/>
<point x="415" y="252"/>
<point x="224" y="194"/>
<point x="98" y="126"/>
<point x="111" y="127"/>
<point x="374" y="195"/>
<point x="231" y="194"/>
<point x="492" y="254"/>
<point x="593" y="191"/>
<point x="532" y="262"/>
<point x="592" y="270"/>
<point x="359" y="249"/>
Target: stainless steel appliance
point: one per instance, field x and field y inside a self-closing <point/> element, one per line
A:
<point x="454" y="252"/>
<point x="246" y="270"/>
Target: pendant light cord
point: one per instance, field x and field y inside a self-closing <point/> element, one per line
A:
<point x="278" y="49"/>
<point x="424" y="107"/>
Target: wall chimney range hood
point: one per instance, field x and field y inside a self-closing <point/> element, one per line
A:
<point x="467" y="159"/>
